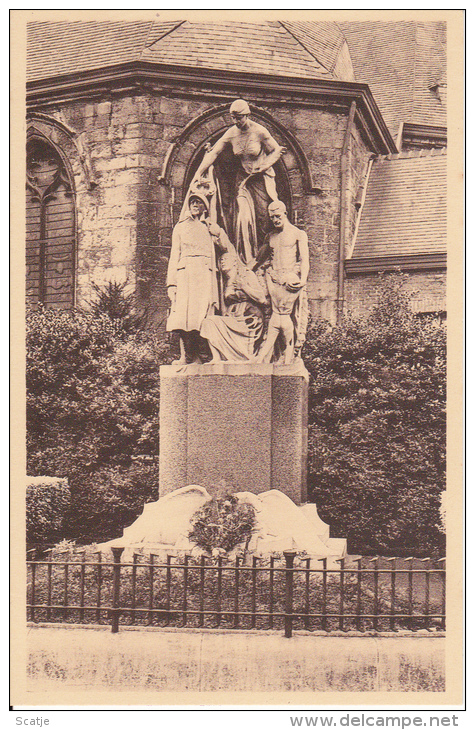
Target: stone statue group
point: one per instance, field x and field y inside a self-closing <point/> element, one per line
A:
<point x="241" y="290"/>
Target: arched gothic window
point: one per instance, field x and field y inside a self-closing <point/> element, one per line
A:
<point x="50" y="228"/>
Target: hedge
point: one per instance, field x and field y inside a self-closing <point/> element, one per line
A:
<point x="47" y="500"/>
<point x="376" y="466"/>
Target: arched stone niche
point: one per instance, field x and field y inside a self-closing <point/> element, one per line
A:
<point x="293" y="177"/>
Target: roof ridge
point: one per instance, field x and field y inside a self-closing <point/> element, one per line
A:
<point x="148" y="36"/>
<point x="407" y="154"/>
<point x="176" y="25"/>
<point x="414" y="67"/>
<point x="284" y="24"/>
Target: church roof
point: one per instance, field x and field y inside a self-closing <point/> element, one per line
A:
<point x="405" y="209"/>
<point x="404" y="64"/>
<point x="304" y="50"/>
<point x="326" y="42"/>
<point x="62" y="48"/>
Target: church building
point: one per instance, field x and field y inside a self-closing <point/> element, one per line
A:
<point x="120" y="115"/>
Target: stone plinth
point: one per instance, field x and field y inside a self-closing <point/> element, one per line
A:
<point x="164" y="526"/>
<point x="245" y="424"/>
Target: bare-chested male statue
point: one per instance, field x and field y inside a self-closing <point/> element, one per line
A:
<point x="287" y="252"/>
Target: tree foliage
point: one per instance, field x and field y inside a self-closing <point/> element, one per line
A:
<point x="92" y="415"/>
<point x="377" y="427"/>
<point x="120" y="306"/>
<point x="376" y="422"/>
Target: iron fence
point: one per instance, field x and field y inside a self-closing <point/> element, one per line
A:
<point x="293" y="592"/>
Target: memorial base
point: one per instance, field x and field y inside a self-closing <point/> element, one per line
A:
<point x="234" y="427"/>
<point x="163" y="529"/>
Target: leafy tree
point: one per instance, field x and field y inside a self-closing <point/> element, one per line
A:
<point x="109" y="499"/>
<point x="377" y="427"/>
<point x="92" y="414"/>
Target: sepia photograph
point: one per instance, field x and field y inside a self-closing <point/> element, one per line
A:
<point x="238" y="465"/>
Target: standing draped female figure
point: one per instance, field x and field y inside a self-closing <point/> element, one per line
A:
<point x="255" y="185"/>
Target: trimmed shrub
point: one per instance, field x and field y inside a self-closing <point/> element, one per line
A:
<point x="377" y="427"/>
<point x="47" y="500"/>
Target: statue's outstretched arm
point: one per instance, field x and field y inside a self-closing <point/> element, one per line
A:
<point x="224" y="242"/>
<point x="212" y="155"/>
<point x="220" y="237"/>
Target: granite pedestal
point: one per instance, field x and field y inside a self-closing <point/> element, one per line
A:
<point x="245" y="424"/>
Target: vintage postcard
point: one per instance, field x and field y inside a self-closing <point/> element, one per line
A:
<point x="237" y="256"/>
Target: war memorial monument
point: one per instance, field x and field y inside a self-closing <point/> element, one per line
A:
<point x="233" y="406"/>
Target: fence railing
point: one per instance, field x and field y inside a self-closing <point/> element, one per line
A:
<point x="376" y="594"/>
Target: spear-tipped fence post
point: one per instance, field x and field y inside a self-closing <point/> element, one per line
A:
<point x="441" y="562"/>
<point x="392" y="609"/>
<point x="427" y="591"/>
<point x="50" y="581"/>
<point x="289" y="556"/>
<point x="342" y="593"/>
<point x="358" y="560"/>
<point x="324" y="593"/>
<point x="375" y="562"/>
<point x="116" y="552"/>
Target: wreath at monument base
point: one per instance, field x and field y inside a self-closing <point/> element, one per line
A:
<point x="221" y="524"/>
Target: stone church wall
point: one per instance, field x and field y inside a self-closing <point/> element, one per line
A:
<point x="125" y="222"/>
<point x="358" y="170"/>
<point x="107" y="213"/>
<point x="321" y="135"/>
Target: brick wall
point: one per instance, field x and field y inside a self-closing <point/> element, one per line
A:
<point x="107" y="214"/>
<point x="428" y="291"/>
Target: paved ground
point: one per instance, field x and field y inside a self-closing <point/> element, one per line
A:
<point x="174" y="660"/>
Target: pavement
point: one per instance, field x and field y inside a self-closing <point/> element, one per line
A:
<point x="199" y="661"/>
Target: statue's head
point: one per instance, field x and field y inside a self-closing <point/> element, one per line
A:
<point x="277" y="213"/>
<point x="240" y="112"/>
<point x="197" y="204"/>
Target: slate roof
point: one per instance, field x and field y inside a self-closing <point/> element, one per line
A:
<point x="303" y="50"/>
<point x="327" y="43"/>
<point x="430" y="71"/>
<point x="405" y="209"/>
<point x="55" y="49"/>
<point x="266" y="48"/>
<point x="401" y="61"/>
